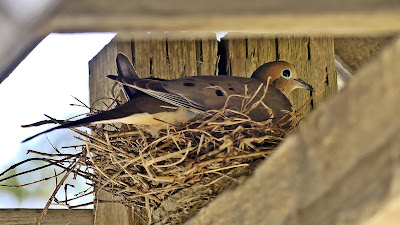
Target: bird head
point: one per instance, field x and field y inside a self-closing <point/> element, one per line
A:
<point x="283" y="76"/>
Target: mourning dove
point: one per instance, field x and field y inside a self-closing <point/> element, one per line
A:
<point x="154" y="103"/>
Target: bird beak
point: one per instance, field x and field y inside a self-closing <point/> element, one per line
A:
<point x="303" y="84"/>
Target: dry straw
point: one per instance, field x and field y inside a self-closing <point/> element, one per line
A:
<point x="167" y="179"/>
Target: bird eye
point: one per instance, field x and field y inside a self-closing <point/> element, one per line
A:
<point x="286" y="73"/>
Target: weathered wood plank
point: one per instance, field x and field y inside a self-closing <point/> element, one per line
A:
<point x="211" y="15"/>
<point x="216" y="7"/>
<point x="356" y="51"/>
<point x="20" y="31"/>
<point x="175" y="55"/>
<point x="53" y="216"/>
<point x="102" y="65"/>
<point x="313" y="58"/>
<point x="351" y="53"/>
<point x="340" y="167"/>
<point x="311" y="16"/>
<point x="207" y="55"/>
<point x="246" y="52"/>
<point x="388" y="214"/>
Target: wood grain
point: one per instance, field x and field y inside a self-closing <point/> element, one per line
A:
<point x="357" y="51"/>
<point x="309" y="16"/>
<point x="53" y="216"/>
<point x="175" y="55"/>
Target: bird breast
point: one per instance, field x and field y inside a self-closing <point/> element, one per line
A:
<point x="181" y="115"/>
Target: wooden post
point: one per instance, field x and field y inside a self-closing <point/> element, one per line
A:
<point x="102" y="65"/>
<point x="173" y="56"/>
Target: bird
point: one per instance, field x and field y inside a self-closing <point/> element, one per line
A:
<point x="153" y="103"/>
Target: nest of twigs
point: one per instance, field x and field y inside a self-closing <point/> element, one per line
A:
<point x="167" y="179"/>
<point x="146" y="171"/>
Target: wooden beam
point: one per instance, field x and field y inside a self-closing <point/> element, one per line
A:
<point x="340" y="167"/>
<point x="53" y="216"/>
<point x="351" y="53"/>
<point x="356" y="51"/>
<point x="22" y="33"/>
<point x="104" y="64"/>
<point x="19" y="31"/>
<point x="309" y="16"/>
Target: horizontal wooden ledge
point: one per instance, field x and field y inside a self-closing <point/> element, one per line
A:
<point x="190" y="7"/>
<point x="334" y="23"/>
<point x="53" y="216"/>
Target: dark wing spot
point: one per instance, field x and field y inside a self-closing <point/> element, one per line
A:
<point x="188" y="84"/>
<point x="231" y="88"/>
<point x="219" y="93"/>
<point x="212" y="84"/>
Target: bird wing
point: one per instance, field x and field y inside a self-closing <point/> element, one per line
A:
<point x="214" y="91"/>
<point x="211" y="92"/>
<point x="125" y="69"/>
<point x="194" y="93"/>
<point x="154" y="88"/>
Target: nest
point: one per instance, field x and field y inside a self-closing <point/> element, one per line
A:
<point x="169" y="178"/>
<point x="147" y="171"/>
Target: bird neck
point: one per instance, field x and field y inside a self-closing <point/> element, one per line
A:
<point x="284" y="86"/>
